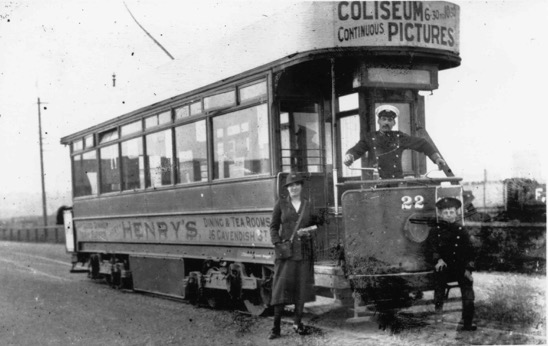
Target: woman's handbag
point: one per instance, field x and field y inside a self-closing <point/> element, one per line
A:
<point x="284" y="250"/>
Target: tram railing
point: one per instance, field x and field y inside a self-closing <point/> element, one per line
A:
<point x="41" y="234"/>
<point x="400" y="182"/>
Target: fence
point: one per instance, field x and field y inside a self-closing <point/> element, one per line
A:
<point x="47" y="234"/>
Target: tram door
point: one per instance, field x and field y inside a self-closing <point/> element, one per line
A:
<point x="306" y="147"/>
<point x="300" y="136"/>
<point x="302" y="146"/>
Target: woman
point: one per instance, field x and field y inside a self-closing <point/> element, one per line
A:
<point x="293" y="281"/>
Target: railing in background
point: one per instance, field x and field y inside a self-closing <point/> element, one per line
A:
<point x="509" y="246"/>
<point x="47" y="234"/>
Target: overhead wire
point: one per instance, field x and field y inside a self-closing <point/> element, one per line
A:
<point x="148" y="34"/>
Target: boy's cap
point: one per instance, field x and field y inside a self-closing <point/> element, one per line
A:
<point x="448" y="202"/>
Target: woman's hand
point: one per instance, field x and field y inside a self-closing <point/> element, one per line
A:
<point x="303" y="233"/>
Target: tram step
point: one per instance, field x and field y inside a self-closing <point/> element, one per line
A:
<point x="330" y="277"/>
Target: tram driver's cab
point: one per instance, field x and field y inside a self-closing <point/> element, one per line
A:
<point x="323" y="108"/>
<point x="374" y="86"/>
<point x="326" y="106"/>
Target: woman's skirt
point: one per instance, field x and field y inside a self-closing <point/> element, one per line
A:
<point x="293" y="282"/>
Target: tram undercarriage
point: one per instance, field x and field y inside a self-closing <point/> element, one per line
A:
<point x="248" y="286"/>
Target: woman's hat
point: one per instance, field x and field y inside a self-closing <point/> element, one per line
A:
<point x="448" y="202"/>
<point x="293" y="178"/>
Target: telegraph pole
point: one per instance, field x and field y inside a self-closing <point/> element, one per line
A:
<point x="484" y="188"/>
<point x="44" y="209"/>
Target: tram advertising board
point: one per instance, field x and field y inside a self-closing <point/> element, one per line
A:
<point x="219" y="229"/>
<point x="424" y="24"/>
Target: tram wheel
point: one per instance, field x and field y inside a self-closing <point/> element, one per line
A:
<point x="255" y="309"/>
<point x="214" y="298"/>
<point x="255" y="304"/>
<point x="94" y="266"/>
<point x="192" y="290"/>
<point x="116" y="278"/>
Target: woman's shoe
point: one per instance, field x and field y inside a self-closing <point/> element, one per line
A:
<point x="469" y="328"/>
<point x="274" y="334"/>
<point x="438" y="317"/>
<point x="300" y="329"/>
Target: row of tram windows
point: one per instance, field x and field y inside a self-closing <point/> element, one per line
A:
<point x="171" y="148"/>
<point x="165" y="149"/>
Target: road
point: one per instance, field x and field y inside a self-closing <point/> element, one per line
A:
<point x="43" y="304"/>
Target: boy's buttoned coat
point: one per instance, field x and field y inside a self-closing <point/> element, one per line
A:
<point x="451" y="243"/>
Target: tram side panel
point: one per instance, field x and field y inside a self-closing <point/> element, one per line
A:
<point x="246" y="195"/>
<point x="160" y="237"/>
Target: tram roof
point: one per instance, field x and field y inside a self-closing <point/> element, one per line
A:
<point x="303" y="28"/>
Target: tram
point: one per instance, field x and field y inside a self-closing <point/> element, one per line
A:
<point x="175" y="197"/>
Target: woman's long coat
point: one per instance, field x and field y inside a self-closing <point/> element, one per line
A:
<point x="293" y="277"/>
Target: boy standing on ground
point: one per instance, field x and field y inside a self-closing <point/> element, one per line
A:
<point x="453" y="256"/>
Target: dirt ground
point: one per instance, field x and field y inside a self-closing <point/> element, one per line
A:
<point x="43" y="304"/>
<point x="416" y="326"/>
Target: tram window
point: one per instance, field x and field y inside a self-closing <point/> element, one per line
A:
<point x="159" y="160"/>
<point x="85" y="174"/>
<point x="77" y="145"/>
<point x="110" y="169"/>
<point x="300" y="136"/>
<point x="158" y="119"/>
<point x="252" y="92"/>
<point x="133" y="164"/>
<point x="348" y="102"/>
<point x="108" y="136"/>
<point x="151" y="121"/>
<point x="241" y="143"/>
<point x="182" y="112"/>
<point x="89" y="141"/>
<point x="191" y="149"/>
<point x="196" y="108"/>
<point x="350" y="133"/>
<point x="134" y="127"/>
<point x="225" y="99"/>
<point x="164" y="118"/>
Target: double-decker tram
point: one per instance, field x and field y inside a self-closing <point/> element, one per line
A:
<point x="175" y="198"/>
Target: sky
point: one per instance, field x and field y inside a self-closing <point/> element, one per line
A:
<point x="487" y="117"/>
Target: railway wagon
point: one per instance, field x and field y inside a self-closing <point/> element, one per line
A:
<point x="512" y="199"/>
<point x="175" y="197"/>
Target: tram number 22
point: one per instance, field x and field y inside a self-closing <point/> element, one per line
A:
<point x="409" y="202"/>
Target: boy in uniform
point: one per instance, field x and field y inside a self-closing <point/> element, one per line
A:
<point x="453" y="256"/>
